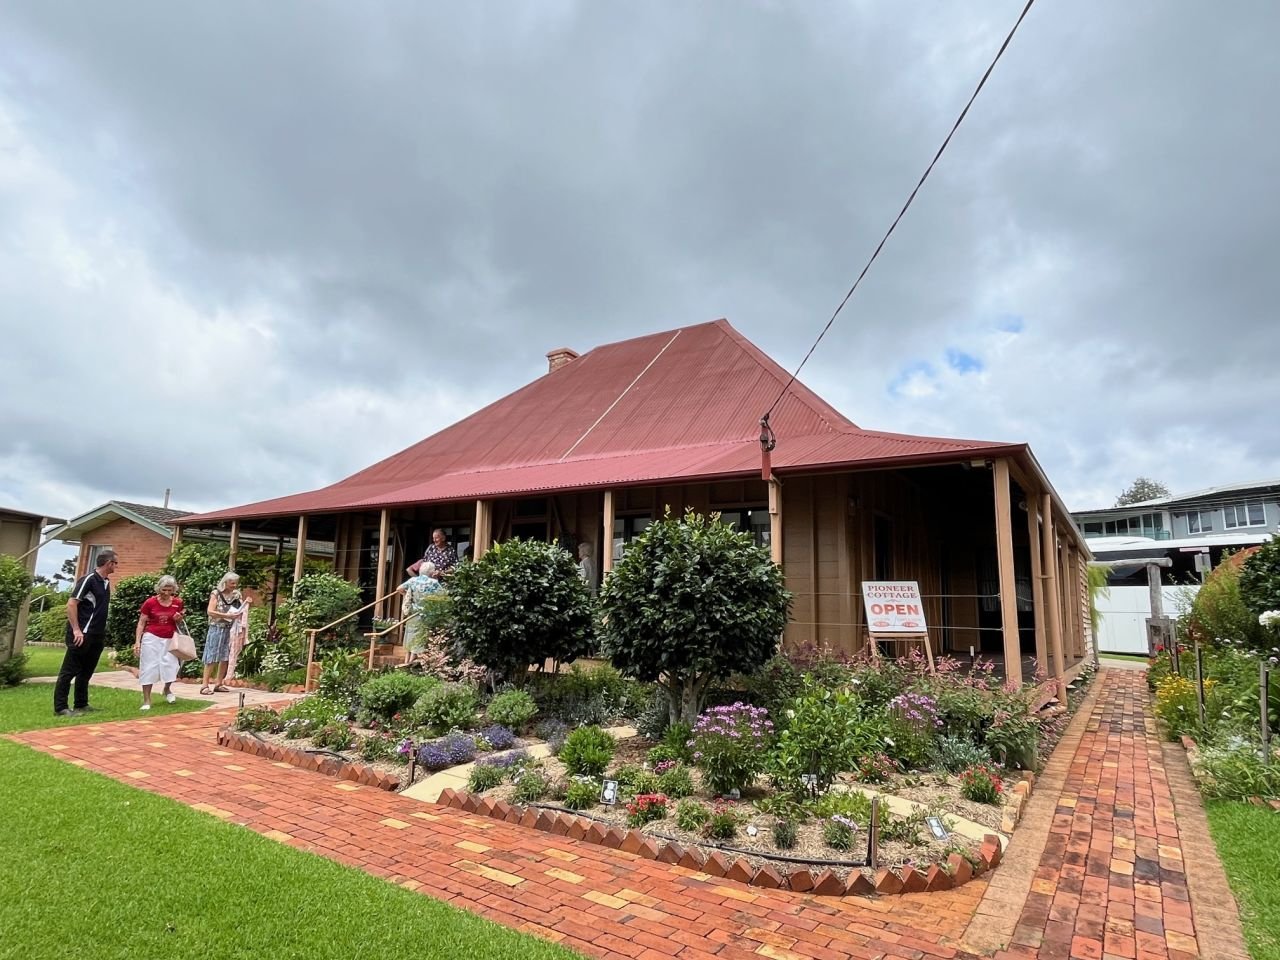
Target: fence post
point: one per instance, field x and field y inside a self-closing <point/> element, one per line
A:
<point x="1264" y="681"/>
<point x="1199" y="654"/>
<point x="1171" y="638"/>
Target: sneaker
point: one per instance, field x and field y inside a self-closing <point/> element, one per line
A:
<point x="170" y="698"/>
<point x="87" y="709"/>
<point x="66" y="712"/>
<point x="145" y="706"/>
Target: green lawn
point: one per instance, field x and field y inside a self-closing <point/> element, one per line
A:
<point x="44" y="661"/>
<point x="101" y="870"/>
<point x="1135" y="657"/>
<point x="1248" y="840"/>
<point x="29" y="706"/>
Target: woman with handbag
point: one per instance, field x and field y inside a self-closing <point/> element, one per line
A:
<point x="224" y="608"/>
<point x="159" y="619"/>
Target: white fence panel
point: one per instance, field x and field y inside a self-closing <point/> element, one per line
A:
<point x="1124" y="616"/>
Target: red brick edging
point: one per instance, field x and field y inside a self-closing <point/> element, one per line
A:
<point x="342" y="769"/>
<point x="954" y="872"/>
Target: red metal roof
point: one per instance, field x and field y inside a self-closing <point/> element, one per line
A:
<point x="679" y="405"/>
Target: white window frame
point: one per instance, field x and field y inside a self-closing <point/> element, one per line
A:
<point x="1231" y="512"/>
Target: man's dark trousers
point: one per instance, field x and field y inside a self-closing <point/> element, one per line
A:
<point x="78" y="664"/>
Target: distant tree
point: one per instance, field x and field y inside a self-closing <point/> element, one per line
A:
<point x="1141" y="490"/>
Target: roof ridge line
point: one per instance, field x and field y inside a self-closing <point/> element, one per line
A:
<point x="771" y="367"/>
<point x="617" y="400"/>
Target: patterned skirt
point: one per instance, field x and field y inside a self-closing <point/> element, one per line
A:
<point x="217" y="642"/>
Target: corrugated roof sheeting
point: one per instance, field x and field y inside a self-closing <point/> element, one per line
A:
<point x="693" y="412"/>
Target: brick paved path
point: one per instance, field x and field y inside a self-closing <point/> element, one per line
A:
<point x="1112" y="880"/>
<point x="603" y="902"/>
<point x="1097" y="866"/>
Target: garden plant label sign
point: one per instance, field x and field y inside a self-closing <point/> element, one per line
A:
<point x="936" y="827"/>
<point x="893" y="606"/>
<point x="609" y="792"/>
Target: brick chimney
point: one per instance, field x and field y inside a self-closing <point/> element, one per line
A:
<point x="558" y="357"/>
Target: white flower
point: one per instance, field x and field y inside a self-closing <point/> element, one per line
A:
<point x="1270" y="619"/>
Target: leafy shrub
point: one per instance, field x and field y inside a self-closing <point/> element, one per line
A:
<point x="903" y="829"/>
<point x="587" y="752"/>
<point x="15" y="584"/>
<point x="583" y="792"/>
<point x="875" y="768"/>
<point x="953" y="754"/>
<point x="319" y="599"/>
<point x="497" y="737"/>
<point x="652" y="721"/>
<point x="387" y="694"/>
<point x="692" y="600"/>
<point x="1234" y="770"/>
<point x="676" y="738"/>
<point x="628" y="774"/>
<point x="511" y="708"/>
<point x="773" y="685"/>
<point x="784" y="834"/>
<point x="646" y="782"/>
<point x="837" y="832"/>
<point x="980" y="784"/>
<point x="581" y="697"/>
<point x="730" y="744"/>
<point x="662" y="754"/>
<point x="646" y="808"/>
<point x="676" y="782"/>
<point x="722" y="824"/>
<point x="692" y="815"/>
<point x="822" y="738"/>
<point x="316" y="708"/>
<point x="963" y="710"/>
<point x="1219" y="610"/>
<point x="444" y="707"/>
<point x="1260" y="578"/>
<point x="1014" y="734"/>
<point x="450" y="751"/>
<point x="333" y="736"/>
<point x="521" y="604"/>
<point x="258" y="719"/>
<point x="128" y="594"/>
<point x="849" y="804"/>
<point x="12" y="670"/>
<point x="554" y="733"/>
<point x="341" y="675"/>
<point x="530" y="785"/>
<point x="484" y="777"/>
<point x="379" y="746"/>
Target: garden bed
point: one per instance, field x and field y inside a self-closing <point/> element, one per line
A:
<point x="814" y="878"/>
<point x="748" y="832"/>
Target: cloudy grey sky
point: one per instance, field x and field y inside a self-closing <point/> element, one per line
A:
<point x="246" y="248"/>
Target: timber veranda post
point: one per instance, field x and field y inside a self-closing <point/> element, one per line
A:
<point x="1008" y="584"/>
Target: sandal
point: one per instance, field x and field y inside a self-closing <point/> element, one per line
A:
<point x="206" y="692"/>
<point x="221" y="689"/>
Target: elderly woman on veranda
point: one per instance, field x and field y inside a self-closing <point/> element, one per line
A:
<point x="417" y="588"/>
<point x="158" y="619"/>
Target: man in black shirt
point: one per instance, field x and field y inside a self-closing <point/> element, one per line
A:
<point x="86" y="634"/>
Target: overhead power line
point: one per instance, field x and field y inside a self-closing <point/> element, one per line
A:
<point x="766" y="434"/>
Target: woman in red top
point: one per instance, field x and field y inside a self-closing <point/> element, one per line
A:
<point x="160" y="616"/>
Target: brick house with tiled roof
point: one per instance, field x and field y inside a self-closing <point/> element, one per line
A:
<point x="606" y="441"/>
